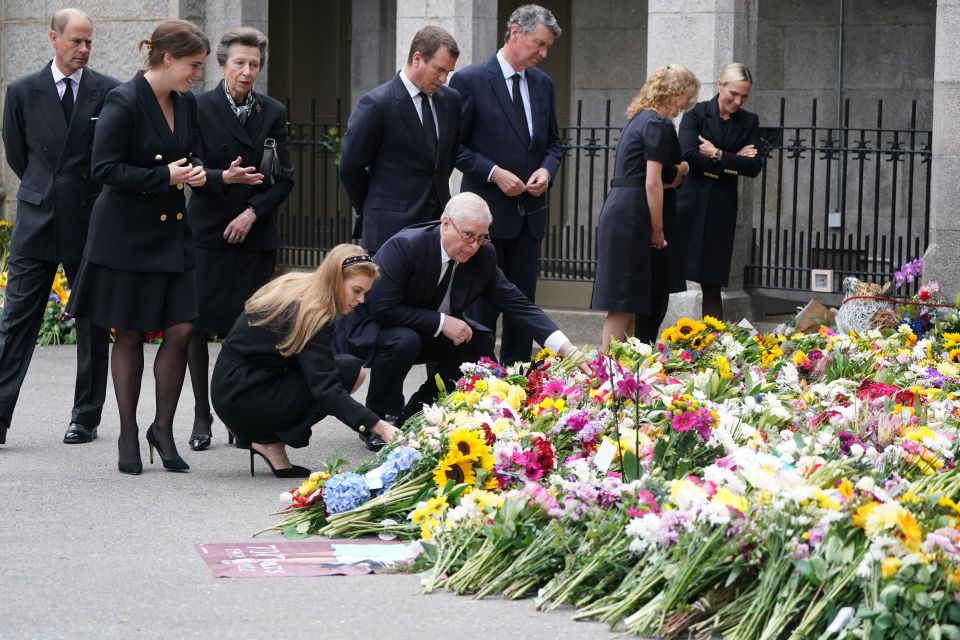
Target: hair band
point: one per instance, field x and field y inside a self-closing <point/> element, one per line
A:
<point x="355" y="259"/>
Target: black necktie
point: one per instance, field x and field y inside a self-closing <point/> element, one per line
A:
<point x="441" y="291"/>
<point x="518" y="105"/>
<point x="429" y="128"/>
<point x="66" y="102"/>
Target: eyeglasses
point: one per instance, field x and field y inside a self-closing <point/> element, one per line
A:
<point x="470" y="237"/>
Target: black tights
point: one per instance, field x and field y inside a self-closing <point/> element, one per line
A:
<point x="169" y="368"/>
<point x="198" y="360"/>
<point x="648" y="325"/>
<point x="712" y="301"/>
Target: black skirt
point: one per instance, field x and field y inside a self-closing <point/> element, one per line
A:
<point x="271" y="405"/>
<point x="225" y="279"/>
<point x="133" y="300"/>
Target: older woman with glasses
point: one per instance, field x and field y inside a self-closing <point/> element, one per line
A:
<point x="637" y="266"/>
<point x="234" y="218"/>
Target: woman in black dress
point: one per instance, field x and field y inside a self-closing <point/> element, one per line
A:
<point x="637" y="262"/>
<point x="277" y="376"/>
<point x="233" y="218"/>
<point x="137" y="272"/>
<point x="720" y="140"/>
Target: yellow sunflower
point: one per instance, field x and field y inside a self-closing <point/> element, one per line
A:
<point x="713" y="323"/>
<point x="954" y="356"/>
<point x="702" y="341"/>
<point x="687" y="328"/>
<point x="467" y="443"/>
<point x="951" y="339"/>
<point x="457" y="469"/>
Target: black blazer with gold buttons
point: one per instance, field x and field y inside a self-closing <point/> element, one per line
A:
<point x="139" y="222"/>
<point x="220" y="140"/>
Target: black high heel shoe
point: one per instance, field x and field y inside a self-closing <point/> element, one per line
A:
<point x="201" y="441"/>
<point x="293" y="472"/>
<point x="133" y="467"/>
<point x="174" y="463"/>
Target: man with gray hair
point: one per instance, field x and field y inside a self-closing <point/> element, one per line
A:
<point x="402" y="141"/>
<point x="48" y="122"/>
<point x="429" y="275"/>
<point x="509" y="153"/>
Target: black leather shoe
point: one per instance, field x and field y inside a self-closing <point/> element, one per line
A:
<point x="78" y="434"/>
<point x="372" y="441"/>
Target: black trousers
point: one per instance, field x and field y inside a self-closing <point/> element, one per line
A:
<point x="28" y="290"/>
<point x="399" y="348"/>
<point x="519" y="259"/>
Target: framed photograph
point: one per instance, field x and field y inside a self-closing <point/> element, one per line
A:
<point x="821" y="280"/>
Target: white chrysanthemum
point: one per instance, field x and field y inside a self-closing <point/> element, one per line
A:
<point x="723" y="477"/>
<point x="789" y="377"/>
<point x="714" y="513"/>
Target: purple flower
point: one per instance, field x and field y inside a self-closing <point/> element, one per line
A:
<point x="908" y="272"/>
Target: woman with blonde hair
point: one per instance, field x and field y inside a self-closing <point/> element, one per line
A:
<point x="277" y="376"/>
<point x="721" y="141"/>
<point x="637" y="263"/>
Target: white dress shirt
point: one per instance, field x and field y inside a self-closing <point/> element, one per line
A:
<point x="58" y="77"/>
<point x="418" y="101"/>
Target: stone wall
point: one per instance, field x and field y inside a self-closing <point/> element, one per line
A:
<point x="887" y="54"/>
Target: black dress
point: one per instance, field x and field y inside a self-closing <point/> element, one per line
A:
<point x="137" y="271"/>
<point x="265" y="397"/>
<point x="227" y="274"/>
<point x="707" y="203"/>
<point x="629" y="272"/>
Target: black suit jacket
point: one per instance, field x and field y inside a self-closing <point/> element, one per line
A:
<point x="139" y="222"/>
<point x="386" y="167"/>
<point x="52" y="161"/>
<point x="409" y="272"/>
<point x="492" y="135"/>
<point x="220" y="139"/>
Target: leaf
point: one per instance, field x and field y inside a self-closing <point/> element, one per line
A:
<point x="924" y="600"/>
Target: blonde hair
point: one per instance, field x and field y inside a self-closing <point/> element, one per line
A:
<point x="666" y="83"/>
<point x="301" y="304"/>
<point x="735" y="72"/>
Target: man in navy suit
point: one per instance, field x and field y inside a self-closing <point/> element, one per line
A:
<point x="429" y="274"/>
<point x="510" y="151"/>
<point x="48" y="123"/>
<point x="401" y="142"/>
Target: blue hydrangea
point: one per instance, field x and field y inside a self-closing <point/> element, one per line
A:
<point x="345" y="491"/>
<point x="400" y="459"/>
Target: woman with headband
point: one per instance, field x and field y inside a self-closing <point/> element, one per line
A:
<point x="277" y="376"/>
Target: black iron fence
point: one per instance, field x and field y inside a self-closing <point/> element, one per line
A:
<point x="316" y="216"/>
<point x="852" y="201"/>
<point x="855" y="201"/>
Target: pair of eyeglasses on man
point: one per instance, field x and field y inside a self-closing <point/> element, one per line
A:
<point x="470" y="237"/>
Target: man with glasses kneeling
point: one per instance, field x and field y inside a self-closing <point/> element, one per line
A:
<point x="431" y="273"/>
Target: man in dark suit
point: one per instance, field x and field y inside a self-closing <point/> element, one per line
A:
<point x="510" y="150"/>
<point x="401" y="143"/>
<point x="48" y="123"/>
<point x="429" y="274"/>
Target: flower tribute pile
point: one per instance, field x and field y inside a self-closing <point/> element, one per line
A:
<point x="719" y="483"/>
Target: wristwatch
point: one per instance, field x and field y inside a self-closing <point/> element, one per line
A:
<point x="716" y="154"/>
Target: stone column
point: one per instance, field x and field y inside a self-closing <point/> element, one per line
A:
<point x="941" y="263"/>
<point x="704" y="36"/>
<point x="473" y="24"/>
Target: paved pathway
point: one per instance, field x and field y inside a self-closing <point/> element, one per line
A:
<point x="86" y="552"/>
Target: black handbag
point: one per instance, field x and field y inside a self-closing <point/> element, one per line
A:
<point x="269" y="162"/>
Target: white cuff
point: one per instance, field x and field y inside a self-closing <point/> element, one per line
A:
<point x="440" y="328"/>
<point x="554" y="341"/>
<point x="490" y="175"/>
